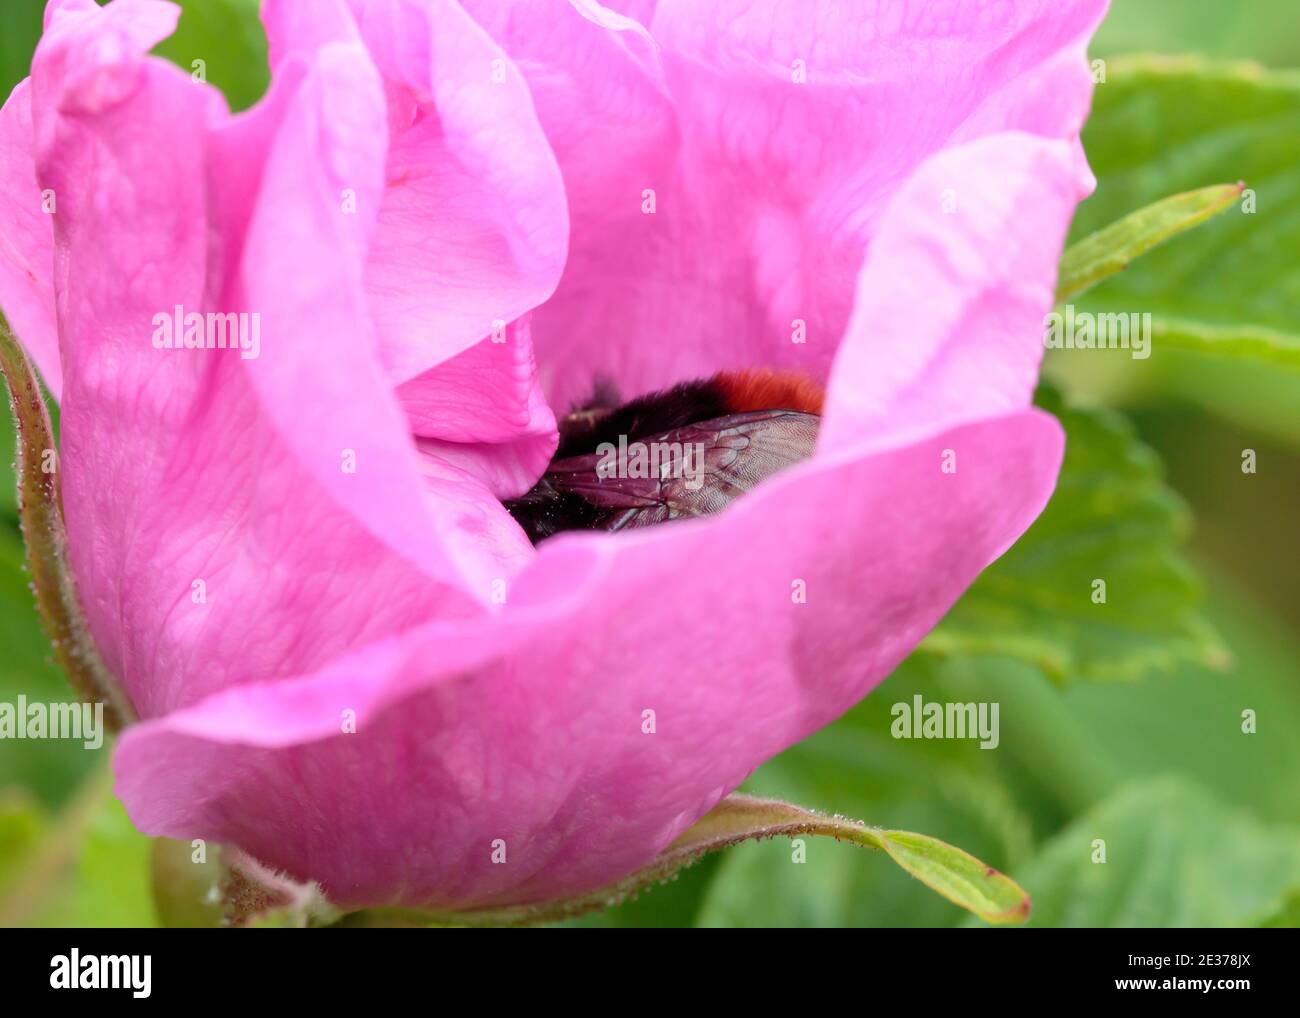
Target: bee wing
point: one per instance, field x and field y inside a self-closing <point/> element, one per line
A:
<point x="701" y="467"/>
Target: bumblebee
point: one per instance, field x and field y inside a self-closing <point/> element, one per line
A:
<point x="684" y="452"/>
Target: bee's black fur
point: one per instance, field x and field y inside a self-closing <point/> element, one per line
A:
<point x="543" y="511"/>
<point x="652" y="414"/>
<point x="698" y="413"/>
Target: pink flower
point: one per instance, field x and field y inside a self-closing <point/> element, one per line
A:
<point x="274" y="550"/>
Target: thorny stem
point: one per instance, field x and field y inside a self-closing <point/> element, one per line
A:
<point x="41" y="517"/>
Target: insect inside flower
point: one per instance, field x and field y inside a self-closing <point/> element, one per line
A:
<point x="683" y="452"/>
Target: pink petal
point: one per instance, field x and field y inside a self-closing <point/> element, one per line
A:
<point x="948" y="321"/>
<point x="600" y="94"/>
<point x="522" y="727"/>
<point x="95" y="79"/>
<point x="172" y="470"/>
<point x="27" y="241"/>
<point x="767" y="190"/>
<point x="472" y="228"/>
<point x="484" y="412"/>
<point x="304" y="260"/>
<point x="525" y="724"/>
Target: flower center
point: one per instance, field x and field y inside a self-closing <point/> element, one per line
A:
<point x="683" y="452"/>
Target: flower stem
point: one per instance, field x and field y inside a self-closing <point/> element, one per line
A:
<point x="41" y="516"/>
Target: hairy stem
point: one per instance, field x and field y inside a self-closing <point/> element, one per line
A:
<point x="41" y="515"/>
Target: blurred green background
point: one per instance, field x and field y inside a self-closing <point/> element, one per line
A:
<point x="1122" y="722"/>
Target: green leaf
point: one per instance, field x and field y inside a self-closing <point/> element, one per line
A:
<point x="22" y="824"/>
<point x="52" y="768"/>
<point x="1061" y="752"/>
<point x="22" y="27"/>
<point x="821" y="884"/>
<point x="1268" y="345"/>
<point x="1264" y="30"/>
<point x="186" y="885"/>
<point x="953" y="873"/>
<point x="1110" y="250"/>
<point x="1286" y="915"/>
<point x="1191" y="721"/>
<point x="950" y="788"/>
<point x="87" y="868"/>
<point x="1111" y="519"/>
<point x="1162" y="125"/>
<point x="1174" y="857"/>
<point x="957" y="875"/>
<point x="227" y="37"/>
